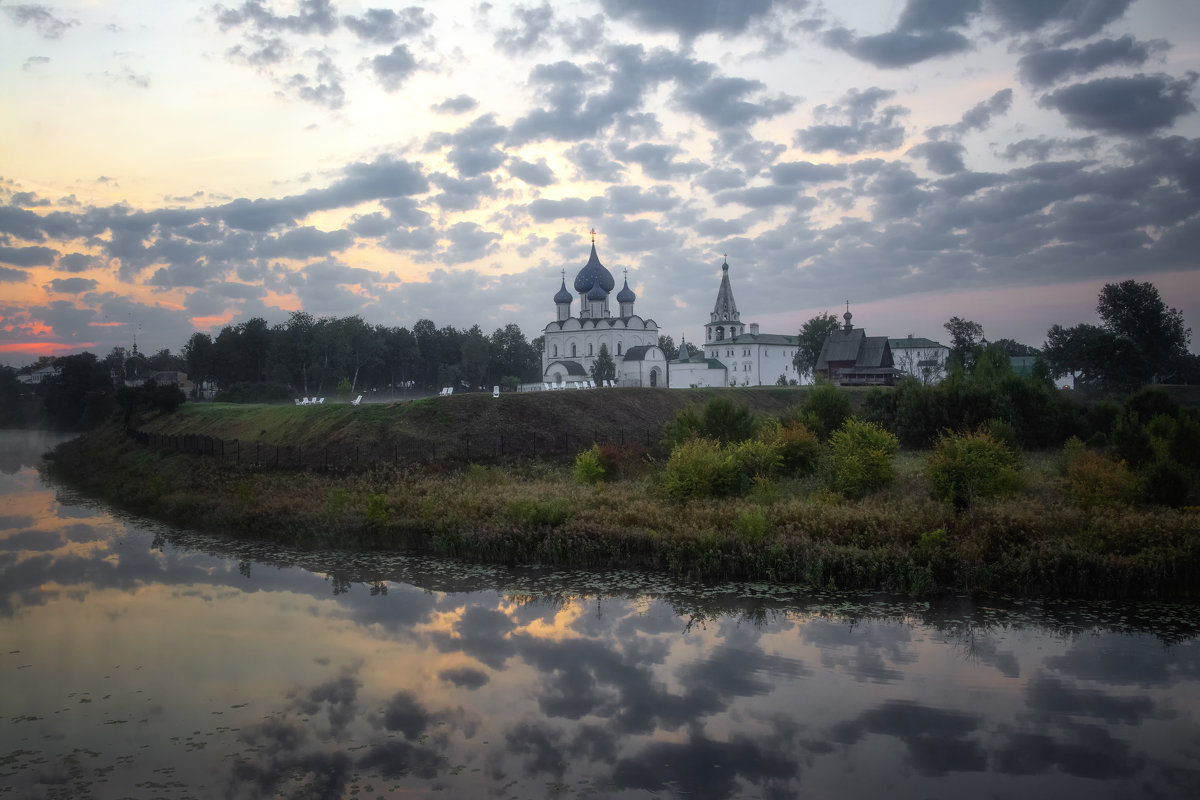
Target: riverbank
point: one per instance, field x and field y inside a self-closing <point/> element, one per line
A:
<point x="792" y="530"/>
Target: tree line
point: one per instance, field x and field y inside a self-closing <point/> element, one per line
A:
<point x="1139" y="340"/>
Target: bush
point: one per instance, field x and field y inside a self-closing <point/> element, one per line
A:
<point x="539" y="513"/>
<point x="1184" y="446"/>
<point x="722" y="420"/>
<point x="1150" y="402"/>
<point x="588" y="468"/>
<point x="701" y="468"/>
<point x="1167" y="483"/>
<point x="1093" y="480"/>
<point x="756" y="458"/>
<point x="861" y="458"/>
<point x="1130" y="440"/>
<point x="965" y="467"/>
<point x="825" y="409"/>
<point x="799" y="448"/>
<point x="751" y="526"/>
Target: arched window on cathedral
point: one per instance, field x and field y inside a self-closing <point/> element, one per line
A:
<point x="618" y="348"/>
<point x="555" y="352"/>
<point x="720" y="333"/>
<point x="590" y="348"/>
<point x="572" y="351"/>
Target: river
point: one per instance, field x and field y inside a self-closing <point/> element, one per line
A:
<point x="144" y="661"/>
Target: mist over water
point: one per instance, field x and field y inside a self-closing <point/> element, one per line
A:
<point x="139" y="660"/>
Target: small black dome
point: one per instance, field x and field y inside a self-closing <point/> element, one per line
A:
<point x="562" y="295"/>
<point x="626" y="294"/>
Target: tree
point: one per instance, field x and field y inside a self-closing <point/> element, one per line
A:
<point x="604" y="369"/>
<point x="812" y="338"/>
<point x="1095" y="356"/>
<point x="198" y="354"/>
<point x="1015" y="349"/>
<point x="667" y="344"/>
<point x="964" y="336"/>
<point x="1137" y="311"/>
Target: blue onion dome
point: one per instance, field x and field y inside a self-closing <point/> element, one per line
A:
<point x="626" y="294"/>
<point x="725" y="266"/>
<point x="594" y="274"/>
<point x="563" y="296"/>
<point x="597" y="294"/>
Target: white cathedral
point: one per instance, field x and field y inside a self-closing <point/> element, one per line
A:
<point x="734" y="353"/>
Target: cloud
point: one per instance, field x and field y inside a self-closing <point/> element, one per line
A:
<point x="657" y="160"/>
<point x="976" y="118"/>
<point x="790" y="173"/>
<point x="538" y="174"/>
<point x="73" y="285"/>
<point x="33" y="61"/>
<point x="944" y="158"/>
<point x="1044" y="67"/>
<point x="1133" y="106"/>
<point x="460" y="104"/>
<point x="33" y="256"/>
<point x="593" y="164"/>
<point x="41" y="18"/>
<point x="324" y="86"/>
<point x="468" y="242"/>
<point x="473" y="149"/>
<point x="1065" y="20"/>
<point x="315" y="16"/>
<point x="532" y="23"/>
<point x="386" y="26"/>
<point x="568" y="208"/>
<point x="393" y="69"/>
<point x="897" y="49"/>
<point x="77" y="262"/>
<point x="264" y="51"/>
<point x="721" y="102"/>
<point x="8" y="275"/>
<point x="1043" y="147"/>
<point x="689" y="18"/>
<point x="863" y="129"/>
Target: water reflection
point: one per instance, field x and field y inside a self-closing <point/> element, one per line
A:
<point x="141" y="661"/>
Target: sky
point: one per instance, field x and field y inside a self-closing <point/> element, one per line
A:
<point x="167" y="168"/>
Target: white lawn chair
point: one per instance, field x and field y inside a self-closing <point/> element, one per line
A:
<point x="296" y="401"/>
<point x="495" y="391"/>
<point x="356" y="401"/>
<point x="320" y="401"/>
<point x="546" y="387"/>
<point x="449" y="390"/>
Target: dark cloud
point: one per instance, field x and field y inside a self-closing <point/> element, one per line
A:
<point x="1085" y="751"/>
<point x="656" y="160"/>
<point x="976" y="118"/>
<point x="1132" y="106"/>
<point x="464" y="677"/>
<point x="568" y="208"/>
<point x="861" y="126"/>
<point x="1062" y="20"/>
<point x="1054" y="698"/>
<point x="528" y="31"/>
<point x="315" y="16"/>
<point x="1044" y="67"/>
<point x="32" y="256"/>
<point x="758" y="196"/>
<point x="636" y="200"/>
<point x="689" y="18"/>
<point x="473" y="149"/>
<point x="73" y="285"/>
<point x="934" y="15"/>
<point x="305" y="242"/>
<point x="702" y="767"/>
<point x="12" y="275"/>
<point x="722" y="102"/>
<point x="468" y="242"/>
<point x="42" y="19"/>
<point x="1043" y="148"/>
<point x="944" y="158"/>
<point x="594" y="164"/>
<point x="456" y="105"/>
<point x="386" y="26"/>
<point x="790" y="173"/>
<point x="538" y="174"/>
<point x="462" y="194"/>
<point x="897" y="49"/>
<point x="393" y="69"/>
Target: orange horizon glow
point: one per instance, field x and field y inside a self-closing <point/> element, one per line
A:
<point x="44" y="348"/>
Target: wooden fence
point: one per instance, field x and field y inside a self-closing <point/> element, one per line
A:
<point x="409" y="451"/>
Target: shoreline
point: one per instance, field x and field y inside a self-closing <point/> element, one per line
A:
<point x="793" y="532"/>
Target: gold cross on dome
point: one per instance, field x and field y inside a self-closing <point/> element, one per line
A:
<point x="593" y="235"/>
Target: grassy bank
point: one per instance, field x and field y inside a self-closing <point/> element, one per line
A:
<point x="790" y="530"/>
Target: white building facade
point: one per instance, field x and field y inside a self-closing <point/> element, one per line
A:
<point x="571" y="344"/>
<point x="735" y="353"/>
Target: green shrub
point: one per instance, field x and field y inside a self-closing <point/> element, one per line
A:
<point x="701" y="468"/>
<point x="756" y="458"/>
<point x="687" y="424"/>
<point x="751" y="526"/>
<point x="1004" y="433"/>
<point x="799" y="448"/>
<point x="588" y="468"/>
<point x="965" y="467"/>
<point x="338" y="498"/>
<point x="1103" y="415"/>
<point x="861" y="458"/>
<point x="376" y="511"/>
<point x="1185" y="440"/>
<point x="1072" y="450"/>
<point x="1093" y="480"/>
<point x="1130" y="440"/>
<point x="826" y="408"/>
<point x="1148" y="403"/>
<point x="721" y="420"/>
<point x="1167" y="483"/>
<point x="539" y="513"/>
